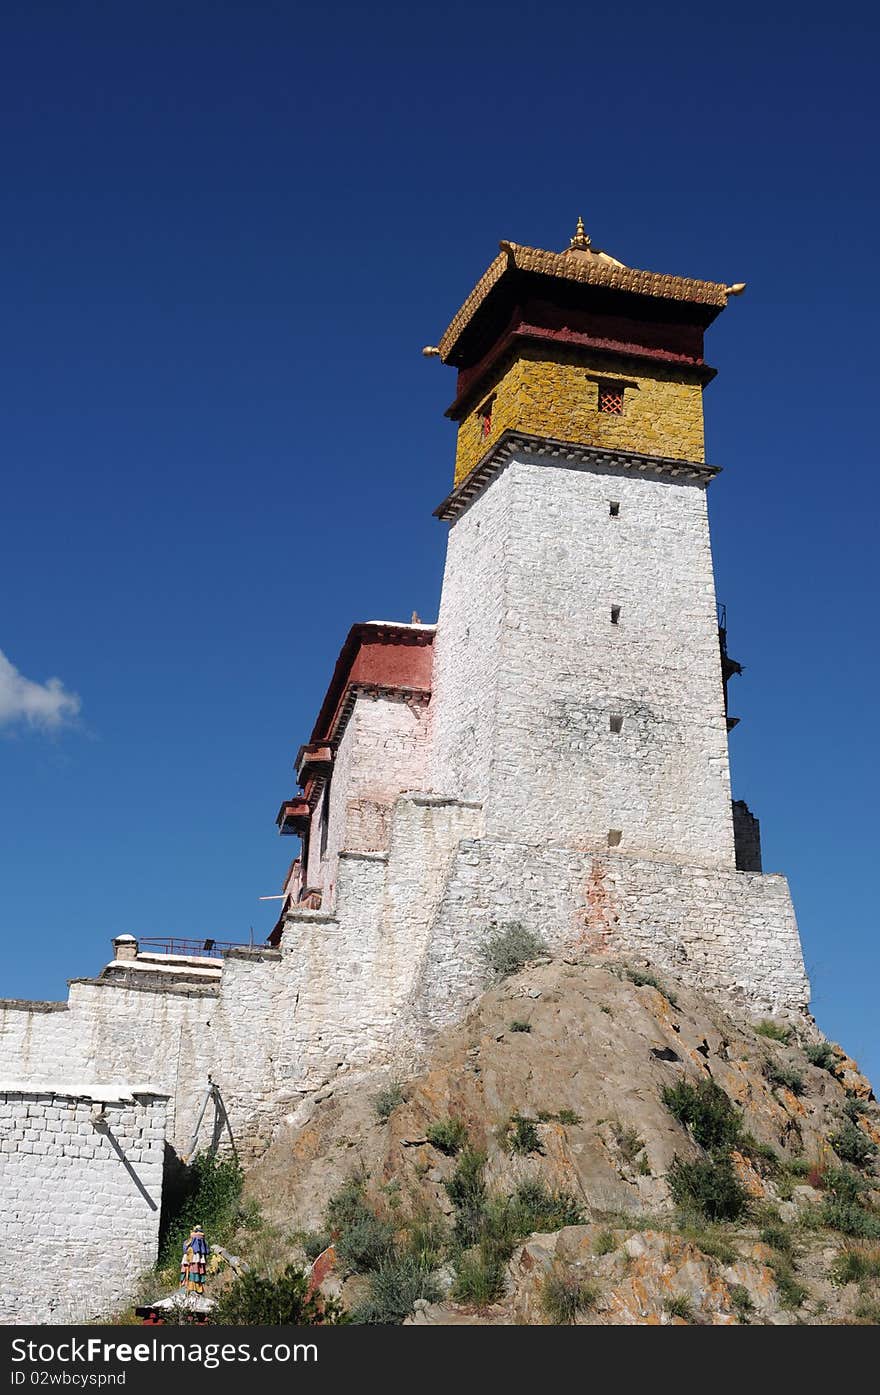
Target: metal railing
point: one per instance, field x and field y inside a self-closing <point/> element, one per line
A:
<point x="193" y="949"/>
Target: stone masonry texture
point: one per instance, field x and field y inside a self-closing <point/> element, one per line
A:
<point x="530" y="670"/>
<point x="80" y="1196"/>
<point x="558" y="396"/>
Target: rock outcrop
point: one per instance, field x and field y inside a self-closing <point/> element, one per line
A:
<point x="581" y="1054"/>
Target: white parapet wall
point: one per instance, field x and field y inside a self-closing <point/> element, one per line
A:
<point x="81" y="1169"/>
<point x="365" y="985"/>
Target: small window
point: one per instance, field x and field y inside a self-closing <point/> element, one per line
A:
<point x="616" y="724"/>
<point x="611" y="398"/>
<point x="614" y="508"/>
<point x="615" y="615"/>
<point x="614" y="837"/>
<point x="484" y="415"/>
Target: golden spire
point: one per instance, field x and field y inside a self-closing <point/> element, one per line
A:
<point x="581" y="241"/>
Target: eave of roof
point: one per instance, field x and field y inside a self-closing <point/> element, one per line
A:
<point x="369" y="631"/>
<point x="513" y="443"/>
<point x="584" y="270"/>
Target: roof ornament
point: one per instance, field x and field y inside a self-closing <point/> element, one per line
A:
<point x="581" y="241"/>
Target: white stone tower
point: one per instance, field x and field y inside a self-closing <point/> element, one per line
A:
<point x="578" y="685"/>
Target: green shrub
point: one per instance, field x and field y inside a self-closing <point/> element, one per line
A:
<point x="821" y="1055"/>
<point x="448" y="1135"/>
<point x="521" y="1136"/>
<point x="346" y="1204"/>
<point x="779" y="1073"/>
<point x="852" y="1145"/>
<point x="741" y="1301"/>
<point x="394" y="1289"/>
<point x="792" y="1293"/>
<point x="850" y="1219"/>
<point x="778" y="1238"/>
<point x="563" y="1296"/>
<point x="709" y="1186"/>
<point x="363" y="1240"/>
<point x="427" y="1241"/>
<point x="843" y="1183"/>
<point x="535" y="1208"/>
<point x="629" y="1141"/>
<point x="282" y="1302"/>
<point x="386" y="1100"/>
<point x="856" y="1266"/>
<point x="774" y="1030"/>
<point x="705" y="1109"/>
<point x="511" y="946"/>
<point x="643" y="979"/>
<point x="680" y="1306"/>
<point x="367" y="1242"/>
<point x="517" y="1025"/>
<point x="854" y="1109"/>
<point x="605" y="1243"/>
<point x="479" y="1277"/>
<point x="314" y="1242"/>
<point x="568" y="1117"/>
<point x="712" y="1243"/>
<point x="759" y="1152"/>
<point x="843" y="1208"/>
<point x="206" y="1193"/>
<point x="466" y="1189"/>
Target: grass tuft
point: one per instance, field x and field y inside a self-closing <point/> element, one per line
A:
<point x="564" y="1296"/>
<point x="448" y="1136"/>
<point x="510" y="947"/>
<point x="774" y="1030"/>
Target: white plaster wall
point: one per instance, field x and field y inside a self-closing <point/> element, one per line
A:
<point x="529" y="668"/>
<point x="383" y="751"/>
<point x="471" y="629"/>
<point x="176" y="1035"/>
<point x="79" y="1204"/>
<point x="730" y="932"/>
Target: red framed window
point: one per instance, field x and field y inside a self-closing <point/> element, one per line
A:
<point x="485" y="416"/>
<point x="611" y="398"/>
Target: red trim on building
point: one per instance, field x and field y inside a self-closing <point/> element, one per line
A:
<point x="379" y="656"/>
<point x="677" y="343"/>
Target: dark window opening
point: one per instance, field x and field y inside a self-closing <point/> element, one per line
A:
<point x="484" y="414"/>
<point x="611" y="398"/>
<point x="614" y="508"/>
<point x="616" y="724"/>
<point x="615" y="614"/>
<point x="614" y="837"/>
<point x="325" y="821"/>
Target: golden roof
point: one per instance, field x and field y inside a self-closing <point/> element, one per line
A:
<point x="583" y="263"/>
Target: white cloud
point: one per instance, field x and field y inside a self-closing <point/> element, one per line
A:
<point x="48" y="705"/>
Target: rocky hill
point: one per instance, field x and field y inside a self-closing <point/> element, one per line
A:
<point x="594" y="1145"/>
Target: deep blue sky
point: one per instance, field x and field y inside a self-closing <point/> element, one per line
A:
<point x="227" y="231"/>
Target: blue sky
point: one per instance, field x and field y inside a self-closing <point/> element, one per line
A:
<point x="227" y="231"/>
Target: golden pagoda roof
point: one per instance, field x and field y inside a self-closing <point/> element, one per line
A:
<point x="584" y="264"/>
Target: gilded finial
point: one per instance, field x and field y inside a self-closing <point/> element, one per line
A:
<point x="581" y="240"/>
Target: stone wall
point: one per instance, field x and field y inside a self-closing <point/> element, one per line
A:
<point x="361" y="986"/>
<point x="177" y="1033"/>
<point x="559" y="396"/>
<point x="730" y="932"/>
<point x="80" y="1196"/>
<point x="383" y="750"/>
<point x="530" y="670"/>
